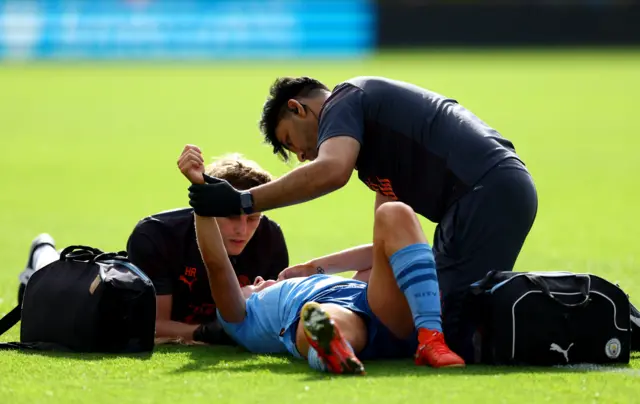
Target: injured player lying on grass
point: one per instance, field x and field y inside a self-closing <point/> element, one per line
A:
<point x="336" y="322"/>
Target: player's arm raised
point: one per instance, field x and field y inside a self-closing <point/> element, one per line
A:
<point x="223" y="282"/>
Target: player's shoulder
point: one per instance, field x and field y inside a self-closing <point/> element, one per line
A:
<point x="353" y="85"/>
<point x="350" y="91"/>
<point x="267" y="222"/>
<point x="161" y="233"/>
<point x="168" y="223"/>
<point x="369" y="83"/>
<point x="367" y="87"/>
<point x="170" y="216"/>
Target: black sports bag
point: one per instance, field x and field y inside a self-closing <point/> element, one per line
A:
<point x="87" y="301"/>
<point x="549" y="318"/>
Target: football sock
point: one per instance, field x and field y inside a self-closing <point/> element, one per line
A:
<point x="414" y="268"/>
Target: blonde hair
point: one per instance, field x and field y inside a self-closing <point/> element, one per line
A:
<point x="238" y="171"/>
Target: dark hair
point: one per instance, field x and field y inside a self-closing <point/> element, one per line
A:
<point x="281" y="91"/>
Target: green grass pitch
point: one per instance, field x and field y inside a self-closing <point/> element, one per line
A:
<point x="86" y="150"/>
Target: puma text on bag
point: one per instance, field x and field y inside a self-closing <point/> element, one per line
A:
<point x="549" y="318"/>
<point x="87" y="301"/>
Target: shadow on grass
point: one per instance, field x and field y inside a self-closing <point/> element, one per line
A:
<point x="81" y="356"/>
<point x="234" y="359"/>
<point x="222" y="359"/>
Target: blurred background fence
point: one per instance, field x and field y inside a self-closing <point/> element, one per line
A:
<point x="286" y="29"/>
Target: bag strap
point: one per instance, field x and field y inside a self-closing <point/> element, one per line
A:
<point x="585" y="289"/>
<point x="33" y="346"/>
<point x="10" y="319"/>
<point x="10" y="345"/>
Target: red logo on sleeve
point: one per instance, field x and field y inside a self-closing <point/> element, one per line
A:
<point x="381" y="185"/>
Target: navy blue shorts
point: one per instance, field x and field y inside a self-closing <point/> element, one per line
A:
<point x="483" y="231"/>
<point x="381" y="343"/>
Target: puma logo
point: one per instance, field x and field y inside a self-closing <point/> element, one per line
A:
<point x="188" y="282"/>
<point x="556" y="348"/>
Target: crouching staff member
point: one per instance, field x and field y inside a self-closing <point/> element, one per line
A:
<point x="164" y="246"/>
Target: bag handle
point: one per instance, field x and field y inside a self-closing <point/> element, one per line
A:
<point x="120" y="255"/>
<point x="79" y="253"/>
<point x="91" y="254"/>
<point x="481" y="285"/>
<point x="585" y="289"/>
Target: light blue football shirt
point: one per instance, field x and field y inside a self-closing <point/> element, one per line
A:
<point x="272" y="311"/>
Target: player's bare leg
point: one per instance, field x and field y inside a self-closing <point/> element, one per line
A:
<point x="329" y="336"/>
<point x="403" y="290"/>
<point x="362" y="275"/>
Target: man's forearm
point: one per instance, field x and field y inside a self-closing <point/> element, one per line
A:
<point x="175" y="330"/>
<point x="353" y="259"/>
<point x="300" y="185"/>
